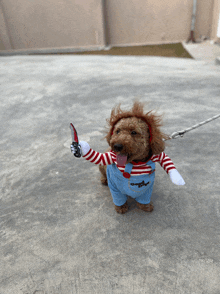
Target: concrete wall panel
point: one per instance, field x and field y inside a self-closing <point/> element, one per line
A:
<point x="216" y="21"/>
<point x="53" y="23"/>
<point x="141" y="22"/>
<point x="63" y="24"/>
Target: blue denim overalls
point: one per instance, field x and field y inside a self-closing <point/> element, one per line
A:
<point x="138" y="187"/>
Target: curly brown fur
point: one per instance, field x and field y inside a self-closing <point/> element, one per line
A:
<point x="146" y="207"/>
<point x="130" y="131"/>
<point x="138" y="116"/>
<point x="102" y="169"/>
<point x="122" y="209"/>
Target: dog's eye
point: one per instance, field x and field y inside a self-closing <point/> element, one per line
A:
<point x="133" y="133"/>
<point x="118" y="131"/>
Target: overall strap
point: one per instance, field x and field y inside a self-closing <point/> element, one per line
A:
<point x="127" y="171"/>
<point x="152" y="165"/>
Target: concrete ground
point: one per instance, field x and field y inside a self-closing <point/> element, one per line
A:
<point x="205" y="51"/>
<point x="59" y="231"/>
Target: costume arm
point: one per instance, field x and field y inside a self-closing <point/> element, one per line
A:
<point x="169" y="167"/>
<point x="94" y="156"/>
<point x="165" y="162"/>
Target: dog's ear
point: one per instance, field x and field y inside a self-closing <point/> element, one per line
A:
<point x="108" y="136"/>
<point x="157" y="145"/>
<point x="116" y="115"/>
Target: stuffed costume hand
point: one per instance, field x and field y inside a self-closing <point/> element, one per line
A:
<point x="84" y="147"/>
<point x="176" y="178"/>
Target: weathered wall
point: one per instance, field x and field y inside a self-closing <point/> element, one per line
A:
<point x="152" y="22"/>
<point x="53" y="23"/>
<point x="33" y="24"/>
<point x="216" y="21"/>
<point x="140" y="22"/>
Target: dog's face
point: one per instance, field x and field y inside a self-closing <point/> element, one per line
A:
<point x="130" y="139"/>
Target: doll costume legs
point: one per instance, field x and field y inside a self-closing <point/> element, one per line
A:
<point x="138" y="187"/>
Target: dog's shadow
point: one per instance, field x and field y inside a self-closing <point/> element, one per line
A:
<point x="132" y="204"/>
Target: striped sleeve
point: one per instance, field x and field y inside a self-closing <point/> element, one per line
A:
<point x="164" y="161"/>
<point x="99" y="158"/>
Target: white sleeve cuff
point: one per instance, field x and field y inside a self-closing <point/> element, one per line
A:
<point x="176" y="178"/>
<point x="84" y="147"/>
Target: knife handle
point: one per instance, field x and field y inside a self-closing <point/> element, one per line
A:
<point x="78" y="150"/>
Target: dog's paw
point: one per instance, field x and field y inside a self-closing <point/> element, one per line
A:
<point x="122" y="209"/>
<point x="145" y="207"/>
<point x="104" y="182"/>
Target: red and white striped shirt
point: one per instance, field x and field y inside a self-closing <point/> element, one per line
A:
<point x="138" y="169"/>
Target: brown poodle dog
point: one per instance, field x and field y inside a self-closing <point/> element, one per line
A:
<point x="128" y="166"/>
<point x="135" y="135"/>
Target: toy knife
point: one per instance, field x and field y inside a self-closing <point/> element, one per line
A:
<point x="75" y="141"/>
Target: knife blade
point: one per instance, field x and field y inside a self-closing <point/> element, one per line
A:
<point x="75" y="141"/>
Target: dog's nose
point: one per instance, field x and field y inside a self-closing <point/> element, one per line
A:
<point x="118" y="147"/>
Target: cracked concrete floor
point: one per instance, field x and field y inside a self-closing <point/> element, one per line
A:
<point x="59" y="230"/>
